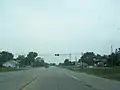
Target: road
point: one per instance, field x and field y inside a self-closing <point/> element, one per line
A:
<point x="54" y="78"/>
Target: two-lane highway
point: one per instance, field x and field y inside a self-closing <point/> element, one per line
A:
<point x="56" y="79"/>
<point x="53" y="78"/>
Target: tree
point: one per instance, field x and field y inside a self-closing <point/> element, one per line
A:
<point x="88" y="58"/>
<point x="98" y="56"/>
<point x="5" y="56"/>
<point x="73" y="63"/>
<point x="61" y="64"/>
<point x="117" y="52"/>
<point x="109" y="61"/>
<point x="66" y="62"/>
<point x="52" y="64"/>
<point x="39" y="62"/>
<point x="22" y="59"/>
<point x="114" y="59"/>
<point x="31" y="57"/>
<point x="38" y="59"/>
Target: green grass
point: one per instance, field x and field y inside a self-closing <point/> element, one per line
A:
<point x="8" y="69"/>
<point x="110" y="73"/>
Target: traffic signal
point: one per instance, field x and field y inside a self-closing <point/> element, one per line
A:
<point x="56" y="54"/>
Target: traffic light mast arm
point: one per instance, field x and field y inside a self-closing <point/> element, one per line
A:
<point x="64" y="54"/>
<point x="61" y="54"/>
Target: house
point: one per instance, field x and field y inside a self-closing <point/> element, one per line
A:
<point x="11" y="64"/>
<point x="82" y="65"/>
<point x="100" y="62"/>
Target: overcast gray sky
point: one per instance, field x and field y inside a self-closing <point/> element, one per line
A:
<point x="63" y="26"/>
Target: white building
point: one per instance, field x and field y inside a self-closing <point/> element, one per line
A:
<point x="11" y="64"/>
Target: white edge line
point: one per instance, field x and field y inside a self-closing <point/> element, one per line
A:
<point x="73" y="77"/>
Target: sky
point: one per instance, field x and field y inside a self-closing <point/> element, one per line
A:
<point x="59" y="26"/>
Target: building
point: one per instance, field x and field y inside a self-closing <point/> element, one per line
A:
<point x="82" y="65"/>
<point x="11" y="64"/>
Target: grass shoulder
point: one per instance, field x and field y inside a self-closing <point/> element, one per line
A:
<point x="3" y="69"/>
<point x="105" y="72"/>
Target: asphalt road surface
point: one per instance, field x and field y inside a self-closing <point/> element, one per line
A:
<point x="54" y="78"/>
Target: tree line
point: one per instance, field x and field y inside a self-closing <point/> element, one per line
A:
<point x="92" y="59"/>
<point x="31" y="59"/>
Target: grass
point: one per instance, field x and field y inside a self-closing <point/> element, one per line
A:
<point x="8" y="69"/>
<point x="110" y="73"/>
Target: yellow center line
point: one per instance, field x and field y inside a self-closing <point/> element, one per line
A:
<point x="28" y="83"/>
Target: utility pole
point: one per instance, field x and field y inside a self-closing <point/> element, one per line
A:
<point x="70" y="56"/>
<point x="112" y="56"/>
<point x="82" y="60"/>
<point x="76" y="61"/>
<point x="111" y="49"/>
